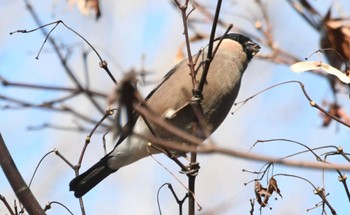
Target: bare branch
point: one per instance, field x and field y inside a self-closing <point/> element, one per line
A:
<point x="47" y="87"/>
<point x="199" y="147"/>
<point x="48" y="206"/>
<point x="3" y="199"/>
<point x="18" y="185"/>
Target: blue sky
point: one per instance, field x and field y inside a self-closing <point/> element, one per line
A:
<point x="125" y="33"/>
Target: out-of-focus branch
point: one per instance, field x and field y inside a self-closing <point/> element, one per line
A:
<point x="196" y="145"/>
<point x="215" y="148"/>
<point x="156" y="119"/>
<point x="77" y="128"/>
<point x="3" y="199"/>
<point x="18" y="185"/>
<point x="51" y="107"/>
<point x="309" y="14"/>
<point x="8" y="83"/>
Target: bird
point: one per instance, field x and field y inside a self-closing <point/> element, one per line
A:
<point x="170" y="99"/>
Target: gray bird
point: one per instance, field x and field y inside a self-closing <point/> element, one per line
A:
<point x="171" y="100"/>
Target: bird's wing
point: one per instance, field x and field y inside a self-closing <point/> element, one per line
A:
<point x="165" y="78"/>
<point x="122" y="137"/>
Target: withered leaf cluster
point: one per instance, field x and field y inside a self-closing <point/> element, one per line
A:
<point x="263" y="194"/>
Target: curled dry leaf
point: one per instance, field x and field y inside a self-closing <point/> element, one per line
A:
<point x="335" y="35"/>
<point x="86" y="7"/>
<point x="318" y="65"/>
<point x="263" y="195"/>
<point x="272" y="187"/>
<point x="260" y="192"/>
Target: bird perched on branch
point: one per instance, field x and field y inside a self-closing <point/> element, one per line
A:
<point x="171" y="100"/>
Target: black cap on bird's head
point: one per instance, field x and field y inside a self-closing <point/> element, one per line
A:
<point x="250" y="47"/>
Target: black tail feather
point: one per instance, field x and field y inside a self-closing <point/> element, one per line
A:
<point x="86" y="181"/>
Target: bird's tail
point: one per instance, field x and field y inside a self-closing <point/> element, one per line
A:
<point x="86" y="181"/>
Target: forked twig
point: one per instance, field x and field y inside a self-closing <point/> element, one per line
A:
<point x="103" y="63"/>
<point x="311" y="102"/>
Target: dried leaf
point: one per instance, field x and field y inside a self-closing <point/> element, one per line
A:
<point x="86" y="7"/>
<point x="335" y="35"/>
<point x="273" y="187"/>
<point x="260" y="192"/>
<point x="317" y="65"/>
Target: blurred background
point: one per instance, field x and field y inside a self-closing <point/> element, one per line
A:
<point x="147" y="35"/>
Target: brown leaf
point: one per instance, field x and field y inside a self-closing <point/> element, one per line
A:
<point x="273" y="187"/>
<point x="87" y="6"/>
<point x="335" y="34"/>
<point x="260" y="192"/>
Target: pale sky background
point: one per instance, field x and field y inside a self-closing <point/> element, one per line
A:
<point x="127" y="31"/>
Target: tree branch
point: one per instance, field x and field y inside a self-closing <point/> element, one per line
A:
<point x="18" y="185"/>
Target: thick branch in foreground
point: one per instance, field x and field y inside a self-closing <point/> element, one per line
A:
<point x="16" y="181"/>
<point x="197" y="145"/>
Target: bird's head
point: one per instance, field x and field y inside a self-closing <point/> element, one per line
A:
<point x="250" y="47"/>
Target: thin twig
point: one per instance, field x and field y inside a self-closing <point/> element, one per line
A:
<point x="191" y="64"/>
<point x="318" y="191"/>
<point x="61" y="57"/>
<point x="37" y="166"/>
<point x="3" y="199"/>
<point x="88" y="138"/>
<point x="63" y="158"/>
<point x="209" y="57"/>
<point x="48" y="206"/>
<point x="77" y="128"/>
<point x="7" y="83"/>
<point x="290" y="141"/>
<point x="47" y="106"/>
<point x="311" y="102"/>
<point x="179" y="202"/>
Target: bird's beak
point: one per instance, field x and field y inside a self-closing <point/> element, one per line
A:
<point x="252" y="47"/>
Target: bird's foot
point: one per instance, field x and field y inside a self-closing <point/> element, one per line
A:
<point x="191" y="170"/>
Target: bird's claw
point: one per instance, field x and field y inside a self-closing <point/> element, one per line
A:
<point x="191" y="170"/>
